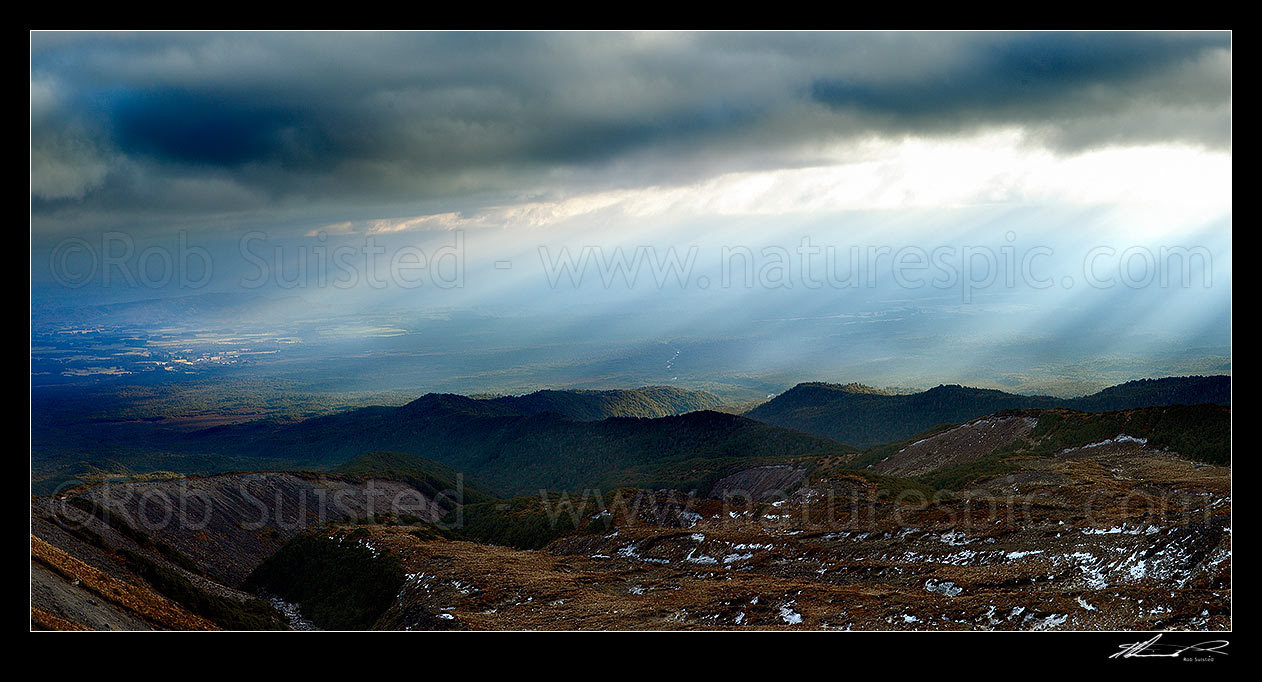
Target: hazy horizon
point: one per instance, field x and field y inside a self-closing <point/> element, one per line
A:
<point x="1039" y="212"/>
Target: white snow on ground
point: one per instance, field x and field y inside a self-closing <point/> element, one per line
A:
<point x="788" y="615"/>
<point x="1054" y="620"/>
<point x="1120" y="438"/>
<point x="946" y="588"/>
<point x="962" y="558"/>
<point x="1083" y="603"/>
<point x="1091" y="571"/>
<point x="291" y="613"/>
<point x="1138" y="570"/>
<point x="1218" y="557"/>
<point x="955" y="538"/>
<point x="989" y="615"/>
<point x="1150" y="530"/>
<point x="703" y="559"/>
<point x="630" y="552"/>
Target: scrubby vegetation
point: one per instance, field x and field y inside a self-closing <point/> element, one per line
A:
<point x="1201" y="432"/>
<point x="958" y="477"/>
<point x="437" y="482"/>
<point x="897" y="487"/>
<point x="251" y="614"/>
<point x="525" y="522"/>
<point x="340" y="584"/>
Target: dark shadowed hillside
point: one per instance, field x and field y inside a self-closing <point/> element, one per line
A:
<point x="520" y="454"/>
<point x="863" y="416"/>
<point x="435" y="481"/>
<point x="649" y="401"/>
<point x="1214" y="390"/>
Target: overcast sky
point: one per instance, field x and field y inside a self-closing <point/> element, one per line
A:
<point x="511" y="147"/>
<point x="306" y="131"/>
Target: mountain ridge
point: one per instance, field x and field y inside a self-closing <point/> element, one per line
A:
<point x="864" y="419"/>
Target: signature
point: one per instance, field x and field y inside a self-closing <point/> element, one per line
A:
<point x="1151" y="649"/>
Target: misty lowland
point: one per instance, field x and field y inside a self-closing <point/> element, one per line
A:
<point x="824" y="506"/>
<point x="515" y="330"/>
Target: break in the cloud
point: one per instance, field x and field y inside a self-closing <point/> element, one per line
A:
<point x="344" y="128"/>
<point x="1165" y="186"/>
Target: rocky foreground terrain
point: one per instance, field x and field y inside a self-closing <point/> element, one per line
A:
<point x="153" y="555"/>
<point x="1142" y="542"/>
<point x="1109" y="533"/>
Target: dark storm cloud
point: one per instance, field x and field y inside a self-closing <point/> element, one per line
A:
<point x="198" y="128"/>
<point x="1051" y="81"/>
<point x="337" y="124"/>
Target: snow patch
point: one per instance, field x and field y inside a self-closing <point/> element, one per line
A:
<point x="788" y="615"/>
<point x="946" y="588"/>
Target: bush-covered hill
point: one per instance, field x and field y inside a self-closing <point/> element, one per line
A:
<point x="649" y="401"/>
<point x="439" y="483"/>
<point x="520" y="454"/>
<point x="863" y="416"/>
